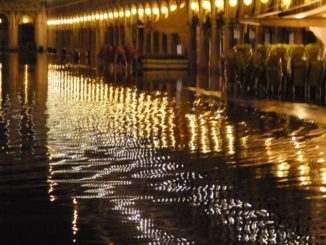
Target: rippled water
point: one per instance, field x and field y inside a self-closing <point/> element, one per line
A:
<point x="84" y="160"/>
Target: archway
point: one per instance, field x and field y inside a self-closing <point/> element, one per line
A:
<point x="3" y="32"/>
<point x="26" y="34"/>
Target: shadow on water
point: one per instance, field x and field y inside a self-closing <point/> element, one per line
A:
<point x="92" y="160"/>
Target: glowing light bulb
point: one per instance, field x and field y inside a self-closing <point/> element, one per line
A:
<point x="164" y="10"/>
<point x="148" y="11"/>
<point x="219" y="4"/>
<point x="286" y="3"/>
<point x="128" y="13"/>
<point x="264" y="1"/>
<point x="206" y="5"/>
<point x="233" y="3"/>
<point x="141" y="12"/>
<point x="194" y="6"/>
<point x="134" y="11"/>
<point x="249" y="2"/>
<point x="173" y="7"/>
<point x="156" y="11"/>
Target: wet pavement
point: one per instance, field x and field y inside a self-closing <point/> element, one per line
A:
<point x="92" y="159"/>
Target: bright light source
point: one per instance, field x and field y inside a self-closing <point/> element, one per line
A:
<point x="233" y="3"/>
<point x="194" y="5"/>
<point x="249" y="2"/>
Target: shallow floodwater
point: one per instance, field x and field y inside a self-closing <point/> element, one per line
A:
<point x="87" y="159"/>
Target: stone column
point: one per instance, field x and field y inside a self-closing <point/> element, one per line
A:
<point x="169" y="43"/>
<point x="160" y="43"/>
<point x="214" y="58"/>
<point x="41" y="28"/>
<point x="128" y="36"/>
<point x="13" y="32"/>
<point x="202" y="49"/>
<point x="228" y="35"/>
<point x="259" y="35"/>
<point x="99" y="39"/>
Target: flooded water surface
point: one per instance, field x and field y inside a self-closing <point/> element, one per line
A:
<point x="85" y="159"/>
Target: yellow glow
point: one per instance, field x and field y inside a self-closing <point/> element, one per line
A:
<point x="194" y="6"/>
<point x="248" y="2"/>
<point x="106" y="16"/>
<point x="26" y="20"/>
<point x="121" y="14"/>
<point x="173" y="7"/>
<point x="233" y="3"/>
<point x="134" y="11"/>
<point x="115" y="14"/>
<point x="26" y="84"/>
<point x="286" y="3"/>
<point x="128" y="13"/>
<point x="156" y="10"/>
<point x="141" y="12"/>
<point x="148" y="11"/>
<point x="207" y="5"/>
<point x="300" y="16"/>
<point x="0" y="20"/>
<point x="110" y="15"/>
<point x="219" y="4"/>
<point x="164" y="10"/>
<point x="264" y="1"/>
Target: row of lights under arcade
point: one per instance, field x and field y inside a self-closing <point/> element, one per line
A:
<point x="164" y="10"/>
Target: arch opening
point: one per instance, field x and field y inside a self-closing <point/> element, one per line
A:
<point x="4" y="33"/>
<point x="26" y="33"/>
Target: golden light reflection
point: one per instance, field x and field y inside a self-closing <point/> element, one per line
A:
<point x="26" y="84"/>
<point x="230" y="139"/>
<point x="105" y="130"/>
<point x="75" y="219"/>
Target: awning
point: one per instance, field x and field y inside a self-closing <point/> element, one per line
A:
<point x="285" y="22"/>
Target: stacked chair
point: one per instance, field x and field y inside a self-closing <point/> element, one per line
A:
<point x="316" y="72"/>
<point x="281" y="70"/>
<point x="299" y="72"/>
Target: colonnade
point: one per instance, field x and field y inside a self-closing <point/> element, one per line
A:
<point x="15" y="17"/>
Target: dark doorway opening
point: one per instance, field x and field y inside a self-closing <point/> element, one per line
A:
<point x="4" y="36"/>
<point x="27" y="37"/>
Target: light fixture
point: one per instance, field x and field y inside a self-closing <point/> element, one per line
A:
<point x="206" y="5"/>
<point x="156" y="11"/>
<point x="249" y="2"/>
<point x="219" y="4"/>
<point x="121" y="14"/>
<point x="133" y="11"/>
<point x="148" y="11"/>
<point x="173" y="7"/>
<point x="128" y="13"/>
<point x="115" y="14"/>
<point x="264" y="1"/>
<point x="233" y="3"/>
<point x="194" y="6"/>
<point x="286" y="3"/>
<point x="164" y="10"/>
<point x="141" y="11"/>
